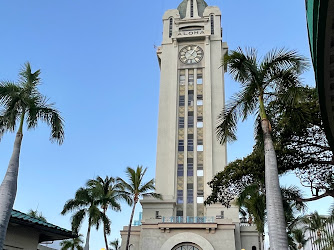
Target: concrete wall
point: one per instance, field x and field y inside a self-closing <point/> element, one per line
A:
<point x="19" y="237"/>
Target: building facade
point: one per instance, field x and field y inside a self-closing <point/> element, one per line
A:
<point x="26" y="233"/>
<point x="188" y="154"/>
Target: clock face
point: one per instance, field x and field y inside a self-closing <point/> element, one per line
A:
<point x="191" y="54"/>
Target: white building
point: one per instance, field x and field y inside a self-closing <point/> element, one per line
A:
<point x="188" y="154"/>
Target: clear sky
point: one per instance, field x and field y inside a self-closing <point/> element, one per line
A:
<point x="99" y="66"/>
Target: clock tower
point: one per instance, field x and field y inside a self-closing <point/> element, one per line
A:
<point x="188" y="154"/>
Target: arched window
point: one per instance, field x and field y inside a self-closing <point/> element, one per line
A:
<point x="186" y="246"/>
<point x="170" y="27"/>
<point x="253" y="247"/>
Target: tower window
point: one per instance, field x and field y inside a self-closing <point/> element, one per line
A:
<point x="190" y="119"/>
<point x="200" y="145"/>
<point x="181" y="145"/>
<point x="181" y="100"/>
<point x="190" y="144"/>
<point x="191" y="77"/>
<point x="190" y="122"/>
<point x="181" y="122"/>
<point x="191" y="100"/>
<point x="190" y="193"/>
<point x="182" y="77"/>
<point x="191" y="8"/>
<point x="170" y="27"/>
<point x="200" y="172"/>
<point x="190" y="169"/>
<point x="179" y="196"/>
<point x="179" y="169"/>
<point x="212" y="24"/>
<point x="199" y="76"/>
<point x="199" y="100"/>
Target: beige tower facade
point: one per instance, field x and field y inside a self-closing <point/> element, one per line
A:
<point x="188" y="154"/>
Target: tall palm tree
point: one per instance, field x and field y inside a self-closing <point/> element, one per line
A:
<point x="21" y="102"/>
<point x="72" y="244"/>
<point x="115" y="244"/>
<point x="136" y="188"/>
<point x="108" y="193"/>
<point x="274" y="78"/>
<point x="85" y="205"/>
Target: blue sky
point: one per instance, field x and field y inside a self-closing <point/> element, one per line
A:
<point x="99" y="66"/>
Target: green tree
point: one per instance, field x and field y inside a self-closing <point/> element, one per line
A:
<point x="72" y="244"/>
<point x="275" y="77"/>
<point x="85" y="204"/>
<point x="21" y="102"/>
<point x="135" y="187"/>
<point x="301" y="147"/>
<point x="115" y="244"/>
<point x="108" y="193"/>
<point x="299" y="238"/>
<point x="37" y="215"/>
<point x="314" y="223"/>
<point x="253" y="201"/>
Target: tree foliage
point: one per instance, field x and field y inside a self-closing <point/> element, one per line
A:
<point x="37" y="215"/>
<point x="300" y="145"/>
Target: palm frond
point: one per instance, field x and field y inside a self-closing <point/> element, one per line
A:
<point x="242" y="65"/>
<point x="282" y="59"/>
<point x="227" y="122"/>
<point x="147" y="186"/>
<point x="52" y="117"/>
<point x="8" y="92"/>
<point x="154" y="195"/>
<point x="28" y="79"/>
<point x="76" y="220"/>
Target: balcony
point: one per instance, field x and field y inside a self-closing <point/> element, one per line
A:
<point x="188" y="219"/>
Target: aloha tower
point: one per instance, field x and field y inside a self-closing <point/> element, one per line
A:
<point x="188" y="154"/>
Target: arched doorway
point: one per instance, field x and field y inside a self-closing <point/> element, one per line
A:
<point x="186" y="246"/>
<point x="193" y="240"/>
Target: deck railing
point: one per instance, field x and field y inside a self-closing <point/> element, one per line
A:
<point x="188" y="219"/>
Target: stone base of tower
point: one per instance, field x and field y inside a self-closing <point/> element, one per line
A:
<point x="161" y="229"/>
<point x="221" y="234"/>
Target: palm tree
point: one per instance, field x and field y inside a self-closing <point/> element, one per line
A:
<point x="35" y="214"/>
<point x="21" y="103"/>
<point x="298" y="236"/>
<point x="274" y="78"/>
<point x="108" y="192"/>
<point x="254" y="201"/>
<point x="85" y="205"/>
<point x="315" y="224"/>
<point x="135" y="188"/>
<point x="115" y="244"/>
<point x="72" y="244"/>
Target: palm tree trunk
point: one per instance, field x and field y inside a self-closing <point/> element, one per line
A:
<point x="129" y="229"/>
<point x="276" y="220"/>
<point x="259" y="239"/>
<point x="88" y="235"/>
<point x="104" y="230"/>
<point x="8" y="188"/>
